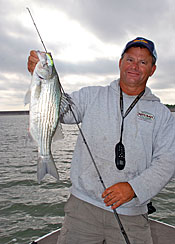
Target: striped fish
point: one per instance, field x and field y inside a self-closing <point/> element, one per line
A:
<point x="45" y="106"/>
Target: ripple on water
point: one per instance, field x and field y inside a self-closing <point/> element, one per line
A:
<point x="28" y="209"/>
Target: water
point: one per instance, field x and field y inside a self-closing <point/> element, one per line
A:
<point x="29" y="210"/>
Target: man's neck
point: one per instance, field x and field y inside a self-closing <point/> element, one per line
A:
<point x="131" y="91"/>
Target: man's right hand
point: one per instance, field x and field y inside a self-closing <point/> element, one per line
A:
<point x="32" y="61"/>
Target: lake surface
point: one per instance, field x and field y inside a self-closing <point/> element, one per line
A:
<point x="29" y="210"/>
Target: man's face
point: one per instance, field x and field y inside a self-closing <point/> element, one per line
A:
<point x="135" y="69"/>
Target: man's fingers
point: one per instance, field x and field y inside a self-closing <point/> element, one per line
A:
<point x="118" y="194"/>
<point x="107" y="192"/>
<point x="116" y="205"/>
<point x="33" y="54"/>
<point x="32" y="61"/>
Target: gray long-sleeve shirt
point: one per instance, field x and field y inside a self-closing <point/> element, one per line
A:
<point x="148" y="137"/>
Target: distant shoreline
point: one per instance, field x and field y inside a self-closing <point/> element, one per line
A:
<point x="25" y="112"/>
<point x="14" y="112"/>
<point x="172" y="109"/>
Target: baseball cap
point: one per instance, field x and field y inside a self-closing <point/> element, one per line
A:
<point x="143" y="42"/>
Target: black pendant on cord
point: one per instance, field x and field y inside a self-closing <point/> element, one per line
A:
<point x="119" y="147"/>
<point x="120" y="156"/>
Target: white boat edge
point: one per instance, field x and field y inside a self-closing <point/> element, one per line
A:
<point x="160" y="222"/>
<point x="162" y="233"/>
<point x="47" y="235"/>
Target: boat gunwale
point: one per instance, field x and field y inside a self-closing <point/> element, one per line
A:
<point x="57" y="230"/>
<point x="46" y="235"/>
<point x="160" y="222"/>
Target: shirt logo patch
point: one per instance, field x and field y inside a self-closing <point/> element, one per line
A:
<point x="145" y="116"/>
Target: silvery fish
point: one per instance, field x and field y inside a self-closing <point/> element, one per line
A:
<point x="45" y="99"/>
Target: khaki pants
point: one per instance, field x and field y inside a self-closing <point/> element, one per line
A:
<point x="88" y="224"/>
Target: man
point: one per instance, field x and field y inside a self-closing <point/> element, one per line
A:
<point x="133" y="147"/>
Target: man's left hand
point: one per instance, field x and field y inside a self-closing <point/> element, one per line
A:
<point x="118" y="194"/>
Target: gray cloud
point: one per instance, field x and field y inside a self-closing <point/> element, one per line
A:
<point x="165" y="74"/>
<point x="98" y="66"/>
<point x="112" y="22"/>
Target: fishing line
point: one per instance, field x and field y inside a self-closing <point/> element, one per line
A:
<point x="37" y="29"/>
<point x="87" y="146"/>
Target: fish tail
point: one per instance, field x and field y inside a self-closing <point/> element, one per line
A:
<point x="45" y="166"/>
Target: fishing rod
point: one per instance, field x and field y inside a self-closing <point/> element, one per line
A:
<point x="37" y="29"/>
<point x="87" y="146"/>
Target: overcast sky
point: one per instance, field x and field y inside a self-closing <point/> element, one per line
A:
<point x="86" y="38"/>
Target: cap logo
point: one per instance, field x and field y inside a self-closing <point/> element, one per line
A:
<point x="141" y="40"/>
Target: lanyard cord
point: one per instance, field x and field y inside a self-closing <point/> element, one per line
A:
<point x="129" y="109"/>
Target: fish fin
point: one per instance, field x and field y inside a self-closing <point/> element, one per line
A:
<point x="66" y="102"/>
<point x="58" y="133"/>
<point x="45" y="166"/>
<point x="27" y="98"/>
<point x="29" y="140"/>
<point x="37" y="90"/>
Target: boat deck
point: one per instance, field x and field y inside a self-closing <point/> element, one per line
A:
<point x="161" y="233"/>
